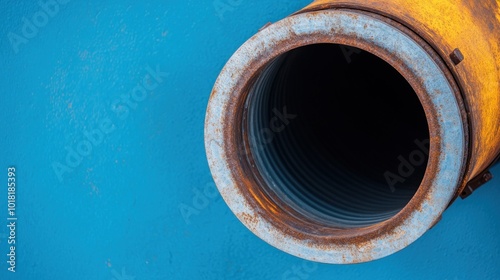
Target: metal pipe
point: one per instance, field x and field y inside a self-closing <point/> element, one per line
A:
<point x="341" y="134"/>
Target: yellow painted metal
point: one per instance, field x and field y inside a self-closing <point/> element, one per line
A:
<point x="473" y="27"/>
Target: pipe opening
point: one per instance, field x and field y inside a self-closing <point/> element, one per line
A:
<point x="337" y="134"/>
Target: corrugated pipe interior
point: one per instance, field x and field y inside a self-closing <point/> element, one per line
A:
<point x="325" y="123"/>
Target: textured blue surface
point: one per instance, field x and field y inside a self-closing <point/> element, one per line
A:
<point x="141" y="204"/>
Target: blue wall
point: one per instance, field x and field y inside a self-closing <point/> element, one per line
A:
<point x="131" y="208"/>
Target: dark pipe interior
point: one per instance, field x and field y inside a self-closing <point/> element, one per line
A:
<point x="329" y="126"/>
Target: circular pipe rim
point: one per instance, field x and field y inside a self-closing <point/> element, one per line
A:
<point x="367" y="32"/>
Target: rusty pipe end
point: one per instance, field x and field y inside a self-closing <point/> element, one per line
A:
<point x="296" y="186"/>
